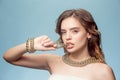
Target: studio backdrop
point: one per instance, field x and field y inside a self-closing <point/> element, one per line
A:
<point x="23" y="19"/>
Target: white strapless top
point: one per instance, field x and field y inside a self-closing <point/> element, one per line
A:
<point x="64" y="77"/>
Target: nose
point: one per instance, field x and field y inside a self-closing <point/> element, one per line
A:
<point x="68" y="36"/>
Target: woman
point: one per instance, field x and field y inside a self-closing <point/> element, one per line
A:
<point x="83" y="59"/>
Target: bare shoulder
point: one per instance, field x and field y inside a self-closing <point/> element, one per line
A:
<point x="103" y="71"/>
<point x="52" y="57"/>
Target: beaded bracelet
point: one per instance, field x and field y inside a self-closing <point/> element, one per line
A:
<point x="30" y="45"/>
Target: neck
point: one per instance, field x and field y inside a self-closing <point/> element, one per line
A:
<point x="79" y="55"/>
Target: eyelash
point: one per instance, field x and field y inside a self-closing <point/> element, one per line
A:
<point x="74" y="31"/>
<point x="63" y="32"/>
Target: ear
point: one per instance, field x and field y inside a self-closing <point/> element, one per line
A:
<point x="89" y="35"/>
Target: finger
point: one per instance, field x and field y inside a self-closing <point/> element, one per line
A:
<point x="45" y="37"/>
<point x="50" y="43"/>
<point x="47" y="40"/>
<point x="44" y="42"/>
<point x="51" y="48"/>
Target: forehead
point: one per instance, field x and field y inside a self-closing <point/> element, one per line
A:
<point x="71" y="22"/>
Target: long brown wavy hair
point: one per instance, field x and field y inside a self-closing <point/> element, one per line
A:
<point x="87" y="21"/>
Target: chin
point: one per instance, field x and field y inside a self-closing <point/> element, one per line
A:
<point x="71" y="51"/>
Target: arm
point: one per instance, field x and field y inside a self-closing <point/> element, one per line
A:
<point x="17" y="55"/>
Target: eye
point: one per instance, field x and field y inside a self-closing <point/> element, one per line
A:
<point x="63" y="32"/>
<point x="75" y="31"/>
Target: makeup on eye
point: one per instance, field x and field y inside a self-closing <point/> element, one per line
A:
<point x="73" y="30"/>
<point x="63" y="31"/>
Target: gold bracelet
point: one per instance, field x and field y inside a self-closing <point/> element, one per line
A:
<point x="27" y="46"/>
<point x="30" y="45"/>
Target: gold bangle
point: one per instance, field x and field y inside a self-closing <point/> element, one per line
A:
<point x="27" y="45"/>
<point x="30" y="45"/>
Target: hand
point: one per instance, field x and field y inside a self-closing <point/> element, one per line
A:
<point x="44" y="43"/>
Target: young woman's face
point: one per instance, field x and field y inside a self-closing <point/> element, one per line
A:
<point x="74" y="35"/>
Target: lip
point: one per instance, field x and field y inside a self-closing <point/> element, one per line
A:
<point x="69" y="45"/>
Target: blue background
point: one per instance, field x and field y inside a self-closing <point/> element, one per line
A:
<point x="20" y="19"/>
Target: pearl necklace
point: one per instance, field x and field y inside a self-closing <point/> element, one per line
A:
<point x="85" y="62"/>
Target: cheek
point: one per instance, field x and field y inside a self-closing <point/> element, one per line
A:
<point x="80" y="39"/>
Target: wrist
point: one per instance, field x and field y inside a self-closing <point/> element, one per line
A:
<point x="30" y="45"/>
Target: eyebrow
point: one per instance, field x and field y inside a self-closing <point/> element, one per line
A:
<point x="72" y="28"/>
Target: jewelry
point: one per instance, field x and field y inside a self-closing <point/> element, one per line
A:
<point x="30" y="45"/>
<point x="90" y="60"/>
<point x="59" y="43"/>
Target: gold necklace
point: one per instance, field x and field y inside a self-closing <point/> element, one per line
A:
<point x="70" y="62"/>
